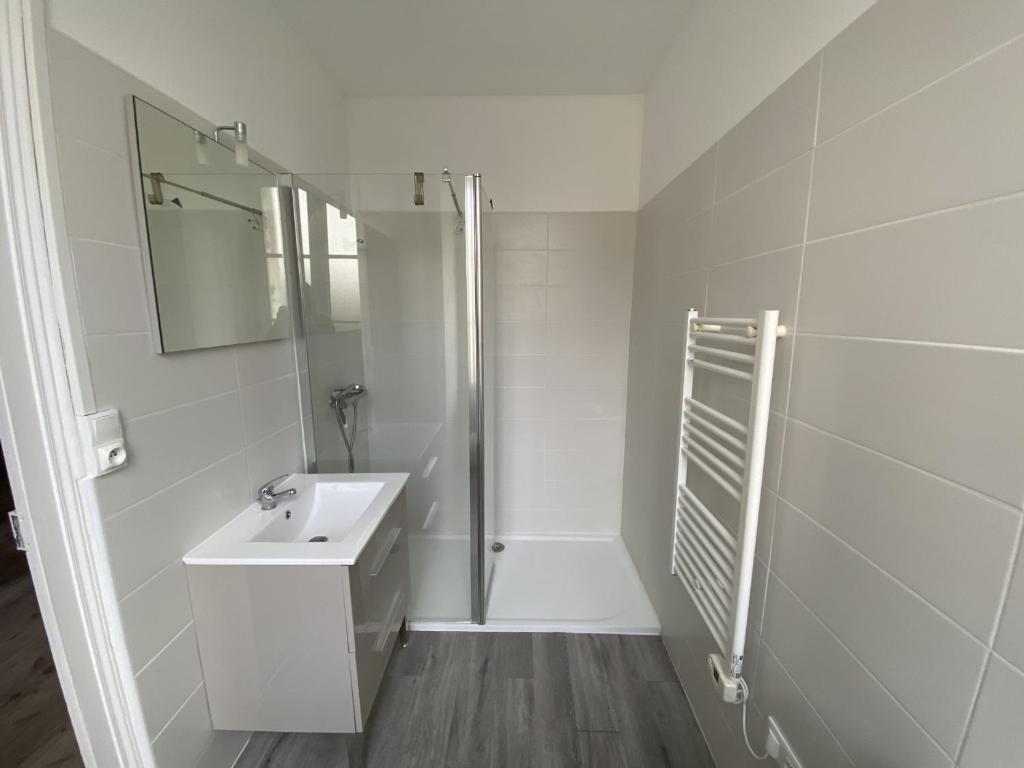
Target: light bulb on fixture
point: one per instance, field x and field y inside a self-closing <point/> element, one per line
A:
<point x="241" y="145"/>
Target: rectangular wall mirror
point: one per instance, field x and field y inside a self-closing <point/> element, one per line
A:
<point x="215" y="261"/>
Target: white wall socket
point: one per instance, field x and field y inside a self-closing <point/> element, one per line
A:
<point x="778" y="747"/>
<point x="103" y="441"/>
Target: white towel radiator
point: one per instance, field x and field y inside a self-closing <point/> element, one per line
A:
<point x="713" y="563"/>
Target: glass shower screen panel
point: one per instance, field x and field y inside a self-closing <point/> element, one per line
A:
<point x="383" y="283"/>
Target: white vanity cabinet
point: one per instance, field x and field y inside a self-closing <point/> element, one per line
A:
<point x="300" y="644"/>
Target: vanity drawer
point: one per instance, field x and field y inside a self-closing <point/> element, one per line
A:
<point x="380" y="596"/>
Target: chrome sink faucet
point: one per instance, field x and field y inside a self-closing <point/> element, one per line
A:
<point x="267" y="496"/>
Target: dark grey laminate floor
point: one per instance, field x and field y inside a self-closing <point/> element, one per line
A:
<point x="471" y="700"/>
<point x="35" y="730"/>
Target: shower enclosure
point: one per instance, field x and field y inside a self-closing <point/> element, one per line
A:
<point x="387" y="282"/>
<point x="397" y="323"/>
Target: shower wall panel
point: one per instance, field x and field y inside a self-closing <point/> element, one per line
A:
<point x="564" y="285"/>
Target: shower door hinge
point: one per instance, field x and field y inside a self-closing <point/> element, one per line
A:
<point x="19" y="538"/>
<point x="417" y="188"/>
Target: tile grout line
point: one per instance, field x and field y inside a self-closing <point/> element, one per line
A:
<point x="176" y="483"/>
<point x="96" y="241"/>
<point x="893" y="579"/>
<point x="234" y="391"/>
<point x="192" y="475"/>
<point x="241" y="418"/>
<point x="711" y="238"/>
<point x="209" y="743"/>
<point x="171" y="409"/>
<point x="907" y="97"/>
<point x="803" y="696"/>
<point x="990" y="651"/>
<point x="782" y="438"/>
<point x="967" y="205"/>
<point x="1014" y="667"/>
<point x="148" y="580"/>
<point x="915" y="342"/>
<point x="796" y="315"/>
<point x="1007" y="583"/>
<point x="739" y="259"/>
<point x="177" y="712"/>
<point x="857" y="660"/>
<point x="116" y="334"/>
<point x="764" y="177"/>
<point x="165" y="646"/>
<point x="1006" y="506"/>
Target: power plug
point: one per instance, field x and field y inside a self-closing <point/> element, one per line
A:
<point x="778" y="747"/>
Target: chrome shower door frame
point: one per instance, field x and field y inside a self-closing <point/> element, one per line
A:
<point x="475" y="369"/>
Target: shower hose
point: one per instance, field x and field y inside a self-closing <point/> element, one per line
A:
<point x="348" y="436"/>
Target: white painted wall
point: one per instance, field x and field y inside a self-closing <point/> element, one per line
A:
<point x="729" y="56"/>
<point x="536" y="153"/>
<point x="226" y="61"/>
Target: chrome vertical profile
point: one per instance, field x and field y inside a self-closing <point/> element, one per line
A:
<point x="288" y="221"/>
<point x="475" y="366"/>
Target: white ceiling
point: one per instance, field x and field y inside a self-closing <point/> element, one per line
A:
<point x="486" y="47"/>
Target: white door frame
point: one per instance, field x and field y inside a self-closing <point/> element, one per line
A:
<point x="41" y="398"/>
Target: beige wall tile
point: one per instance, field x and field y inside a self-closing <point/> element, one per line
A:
<point x="867" y="721"/>
<point x="169" y="679"/>
<point x="951" y="277"/>
<point x="775" y="692"/>
<point x="954" y="143"/>
<point x="157" y="610"/>
<point x="1010" y="640"/>
<point x="994" y="736"/>
<point x="854" y="598"/>
<point x="519" y="231"/>
<point x="896" y="48"/>
<point x="111" y="294"/>
<point x="882" y="507"/>
<point x="765" y="216"/>
<point x="951" y="411"/>
<point x="778" y="130"/>
<point x="126" y="374"/>
<point x="612" y="232"/>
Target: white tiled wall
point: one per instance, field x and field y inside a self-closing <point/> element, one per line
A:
<point x="564" y="282"/>
<point x="203" y="428"/>
<point x="875" y="199"/>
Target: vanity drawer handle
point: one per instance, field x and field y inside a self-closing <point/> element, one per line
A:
<point x="385" y="630"/>
<point x="385" y="551"/>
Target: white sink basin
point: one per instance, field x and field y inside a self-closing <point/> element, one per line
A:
<point x="328" y="522"/>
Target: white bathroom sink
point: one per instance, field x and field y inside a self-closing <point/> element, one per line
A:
<point x="328" y="522"/>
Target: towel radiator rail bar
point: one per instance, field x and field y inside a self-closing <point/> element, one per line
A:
<point x="714" y="564"/>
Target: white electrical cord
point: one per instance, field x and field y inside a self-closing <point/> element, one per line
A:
<point x="746" y="739"/>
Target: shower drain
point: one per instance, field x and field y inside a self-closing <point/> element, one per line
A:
<point x="497" y="547"/>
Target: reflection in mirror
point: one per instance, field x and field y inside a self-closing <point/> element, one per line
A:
<point x="334" y="262"/>
<point x="332" y="313"/>
<point x="215" y="252"/>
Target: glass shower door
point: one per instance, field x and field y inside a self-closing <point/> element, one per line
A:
<point x="383" y="278"/>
